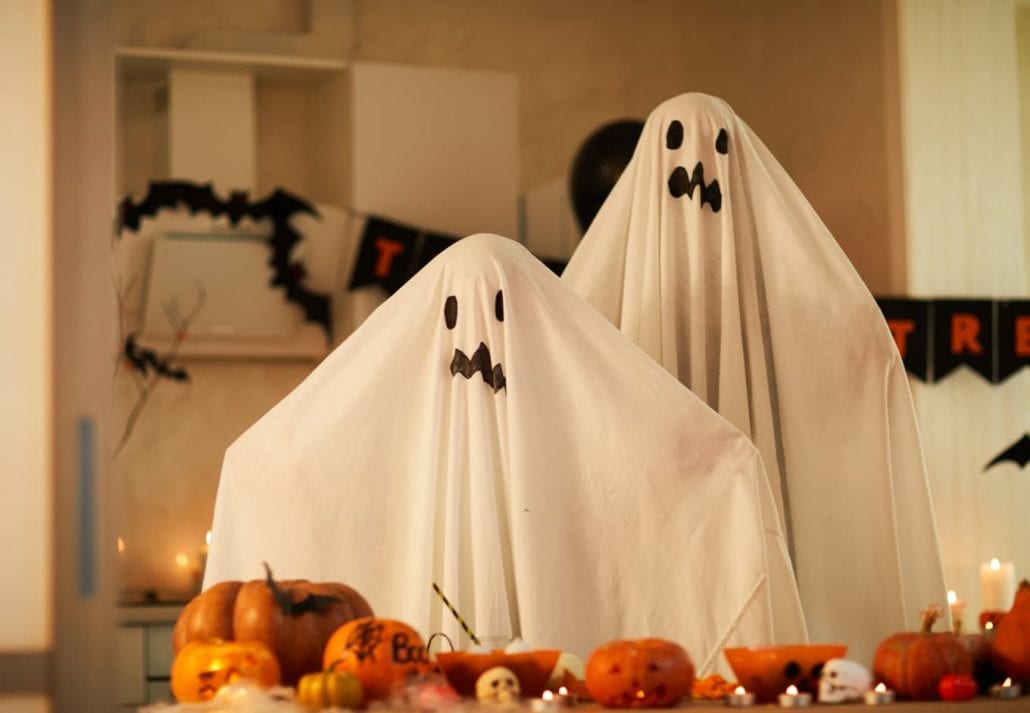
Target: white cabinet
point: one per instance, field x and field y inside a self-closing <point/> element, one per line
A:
<point x="143" y="655"/>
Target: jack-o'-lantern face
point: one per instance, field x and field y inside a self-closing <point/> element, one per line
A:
<point x="201" y="668"/>
<point x="646" y="673"/>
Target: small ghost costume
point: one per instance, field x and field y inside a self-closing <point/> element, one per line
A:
<point x="708" y="256"/>
<point x="486" y="429"/>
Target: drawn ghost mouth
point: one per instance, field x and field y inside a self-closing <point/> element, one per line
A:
<point x="480" y="362"/>
<point x="681" y="184"/>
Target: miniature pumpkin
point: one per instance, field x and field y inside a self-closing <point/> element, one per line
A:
<point x="203" y="667"/>
<point x="382" y="653"/>
<point x="330" y="689"/>
<point x="644" y="673"/>
<point x="913" y="663"/>
<point x="1011" y="644"/>
<point x="293" y="618"/>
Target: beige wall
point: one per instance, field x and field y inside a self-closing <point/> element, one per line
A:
<point x="26" y="433"/>
<point x="1023" y="52"/>
<point x="814" y="78"/>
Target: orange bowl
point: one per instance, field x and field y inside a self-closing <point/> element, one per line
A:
<point x="768" y="670"/>
<point x="532" y="668"/>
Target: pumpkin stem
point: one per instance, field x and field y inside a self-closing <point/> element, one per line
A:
<point x="930" y="617"/>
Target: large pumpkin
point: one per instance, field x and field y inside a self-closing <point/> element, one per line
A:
<point x="913" y="663"/>
<point x="644" y="673"/>
<point x="203" y="667"/>
<point x="382" y="653"/>
<point x="293" y="618"/>
<point x="1011" y="645"/>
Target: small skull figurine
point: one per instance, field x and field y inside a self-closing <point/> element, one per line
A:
<point x="498" y="686"/>
<point x="842" y="681"/>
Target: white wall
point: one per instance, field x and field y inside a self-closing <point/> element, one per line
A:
<point x="964" y="215"/>
<point x="26" y="324"/>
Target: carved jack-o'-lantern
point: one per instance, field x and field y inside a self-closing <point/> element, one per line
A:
<point x="203" y="667"/>
<point x="646" y="673"/>
<point x="382" y="653"/>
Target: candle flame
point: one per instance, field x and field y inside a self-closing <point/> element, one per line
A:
<point x="989" y="626"/>
<point x="952" y="597"/>
<point x="548" y="695"/>
<point x="563" y="691"/>
<point x="1008" y="683"/>
<point x="121" y="546"/>
<point x="739" y="690"/>
<point x="182" y="560"/>
<point x="880" y="688"/>
<point x="995" y="564"/>
<point x="792" y="690"/>
<point x="207" y="538"/>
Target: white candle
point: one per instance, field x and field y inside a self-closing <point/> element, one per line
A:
<point x="879" y="696"/>
<point x="997" y="585"/>
<point x="957" y="606"/>
<point x="740" y="698"/>
<point x="792" y="699"/>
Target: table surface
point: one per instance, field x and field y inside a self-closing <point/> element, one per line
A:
<point x="977" y="705"/>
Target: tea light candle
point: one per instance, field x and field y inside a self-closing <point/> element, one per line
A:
<point x="545" y="704"/>
<point x="997" y="585"/>
<point x="792" y="699"/>
<point x="565" y="699"/>
<point x="957" y="606"/>
<point x="740" y="698"/>
<point x="879" y="696"/>
<point x="1007" y="691"/>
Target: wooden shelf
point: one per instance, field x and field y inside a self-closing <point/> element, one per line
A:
<point x="157" y="61"/>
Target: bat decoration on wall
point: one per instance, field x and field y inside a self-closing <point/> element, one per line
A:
<point x="279" y="207"/>
<point x="1018" y="453"/>
<point x="143" y="360"/>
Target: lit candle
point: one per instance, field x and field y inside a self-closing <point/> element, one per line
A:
<point x="740" y="698"/>
<point x="879" y="696"/>
<point x="997" y="585"/>
<point x="544" y="704"/>
<point x="957" y="606"/>
<point x="1007" y="690"/>
<point x="565" y="699"/>
<point x="792" y="699"/>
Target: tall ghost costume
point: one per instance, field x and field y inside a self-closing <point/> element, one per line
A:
<point x="486" y="429"/>
<point x="708" y="256"/>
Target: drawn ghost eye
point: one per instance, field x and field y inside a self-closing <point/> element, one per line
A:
<point x="499" y="306"/>
<point x="722" y="142"/>
<point x="450" y="311"/>
<point x="674" y="136"/>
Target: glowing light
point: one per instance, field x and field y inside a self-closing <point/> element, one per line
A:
<point x="989" y="626"/>
<point x="548" y="695"/>
<point x="182" y="560"/>
<point x="995" y="563"/>
<point x="881" y="688"/>
<point x="739" y="690"/>
<point x="207" y="538"/>
<point x="792" y="690"/>
<point x="1007" y="684"/>
<point x="121" y="546"/>
<point x="952" y="597"/>
<point x="563" y="691"/>
<point x="640" y="694"/>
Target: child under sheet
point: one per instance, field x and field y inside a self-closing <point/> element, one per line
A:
<point x="488" y="430"/>
<point x="708" y="256"/>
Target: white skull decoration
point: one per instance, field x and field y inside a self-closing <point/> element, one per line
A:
<point x="498" y="686"/>
<point x="842" y="681"/>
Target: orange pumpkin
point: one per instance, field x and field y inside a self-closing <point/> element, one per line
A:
<point x="293" y="618"/>
<point x="646" y="673"/>
<point x="382" y="653"/>
<point x="1011" y="644"/>
<point x="203" y="667"/>
<point x="913" y="663"/>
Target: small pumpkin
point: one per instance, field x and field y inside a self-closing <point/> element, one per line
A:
<point x="201" y="668"/>
<point x="913" y="663"/>
<point x="642" y="673"/>
<point x="294" y="618"/>
<point x="382" y="653"/>
<point x="1011" y="643"/>
<point x="330" y="689"/>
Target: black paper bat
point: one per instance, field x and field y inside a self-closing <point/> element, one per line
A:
<point x="278" y="207"/>
<point x="143" y="360"/>
<point x="317" y="603"/>
<point x="1018" y="453"/>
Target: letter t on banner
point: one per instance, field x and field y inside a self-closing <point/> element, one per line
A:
<point x="909" y="322"/>
<point x="385" y="255"/>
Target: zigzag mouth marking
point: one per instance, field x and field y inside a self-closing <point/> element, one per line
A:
<point x="492" y="373"/>
<point x="680" y="183"/>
